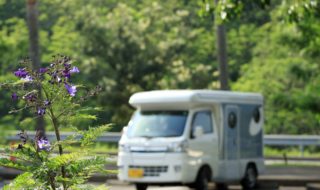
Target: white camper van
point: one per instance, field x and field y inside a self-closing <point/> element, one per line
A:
<point x="192" y="137"/>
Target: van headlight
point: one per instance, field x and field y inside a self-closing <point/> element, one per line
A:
<point x="124" y="148"/>
<point x="178" y="146"/>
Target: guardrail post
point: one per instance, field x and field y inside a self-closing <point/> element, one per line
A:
<point x="301" y="150"/>
<point x="285" y="158"/>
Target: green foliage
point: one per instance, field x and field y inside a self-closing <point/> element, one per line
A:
<point x="130" y="46"/>
<point x="92" y="134"/>
<point x="142" y="51"/>
<point x="23" y="181"/>
<point x="283" y="74"/>
<point x="229" y="10"/>
<point x="300" y="10"/>
<point x="13" y="164"/>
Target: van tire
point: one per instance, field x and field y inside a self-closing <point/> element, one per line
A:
<point x="221" y="186"/>
<point x="141" y="186"/>
<point x="250" y="179"/>
<point x="203" y="179"/>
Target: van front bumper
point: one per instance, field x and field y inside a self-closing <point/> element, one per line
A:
<point x="157" y="168"/>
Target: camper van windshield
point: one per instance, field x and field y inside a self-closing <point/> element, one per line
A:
<point x="151" y="124"/>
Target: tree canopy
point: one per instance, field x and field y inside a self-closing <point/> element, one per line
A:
<point x="130" y="46"/>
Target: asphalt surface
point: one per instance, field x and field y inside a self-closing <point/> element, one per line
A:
<point x="275" y="178"/>
<point x="186" y="188"/>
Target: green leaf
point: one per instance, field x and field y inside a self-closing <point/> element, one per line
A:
<point x="92" y="134"/>
<point x="23" y="181"/>
<point x="6" y="162"/>
<point x="62" y="160"/>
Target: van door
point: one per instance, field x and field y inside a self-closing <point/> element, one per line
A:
<point x="203" y="149"/>
<point x="231" y="142"/>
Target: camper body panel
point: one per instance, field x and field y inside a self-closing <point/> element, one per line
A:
<point x="242" y="143"/>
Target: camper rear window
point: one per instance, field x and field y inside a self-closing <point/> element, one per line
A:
<point x="151" y="124"/>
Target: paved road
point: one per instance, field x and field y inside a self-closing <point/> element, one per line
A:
<point x="115" y="185"/>
<point x="289" y="178"/>
<point x="130" y="187"/>
<point x="184" y="188"/>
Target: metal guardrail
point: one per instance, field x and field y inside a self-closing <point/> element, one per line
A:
<point x="270" y="140"/>
<point x="105" y="137"/>
<point x="292" y="140"/>
<point x="285" y="140"/>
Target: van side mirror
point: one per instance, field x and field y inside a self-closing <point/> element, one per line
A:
<point x="198" y="131"/>
<point x="124" y="130"/>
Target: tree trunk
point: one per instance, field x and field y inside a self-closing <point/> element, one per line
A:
<point x="221" y="44"/>
<point x="34" y="52"/>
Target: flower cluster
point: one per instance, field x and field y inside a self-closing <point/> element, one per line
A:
<point x="59" y="73"/>
<point x="14" y="96"/>
<point x="23" y="137"/>
<point x="23" y="74"/>
<point x="43" y="144"/>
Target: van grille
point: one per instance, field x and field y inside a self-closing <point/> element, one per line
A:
<point x="151" y="171"/>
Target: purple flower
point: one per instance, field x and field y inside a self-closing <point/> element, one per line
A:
<point x="30" y="97"/>
<point x="44" y="144"/>
<point x="74" y="70"/>
<point x="67" y="65"/>
<point x="21" y="73"/>
<point x="47" y="102"/>
<point x="43" y="70"/>
<point x="54" y="74"/>
<point x="41" y="111"/>
<point x="14" y="96"/>
<point x="71" y="89"/>
<point x="66" y="73"/>
<point x="28" y="78"/>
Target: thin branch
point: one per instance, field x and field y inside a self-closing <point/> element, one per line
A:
<point x="18" y="110"/>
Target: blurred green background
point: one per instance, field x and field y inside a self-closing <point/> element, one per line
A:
<point x="131" y="46"/>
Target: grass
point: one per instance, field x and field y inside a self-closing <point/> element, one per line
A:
<point x="99" y="148"/>
<point x="293" y="165"/>
<point x="290" y="152"/>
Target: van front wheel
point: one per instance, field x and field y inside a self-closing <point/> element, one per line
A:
<point x="203" y="179"/>
<point x="141" y="186"/>
<point x="250" y="179"/>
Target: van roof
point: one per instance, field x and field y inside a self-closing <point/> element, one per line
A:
<point x="175" y="97"/>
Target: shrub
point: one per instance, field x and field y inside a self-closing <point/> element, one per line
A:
<point x="49" y="92"/>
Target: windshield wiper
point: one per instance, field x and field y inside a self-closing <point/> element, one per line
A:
<point x="171" y="136"/>
<point x="146" y="136"/>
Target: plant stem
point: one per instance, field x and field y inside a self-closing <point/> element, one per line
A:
<point x="53" y="186"/>
<point x="57" y="132"/>
<point x="55" y="124"/>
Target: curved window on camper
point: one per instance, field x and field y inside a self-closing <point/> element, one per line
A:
<point x="203" y="119"/>
<point x="151" y="124"/>
<point x="232" y="119"/>
<point x="256" y="115"/>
